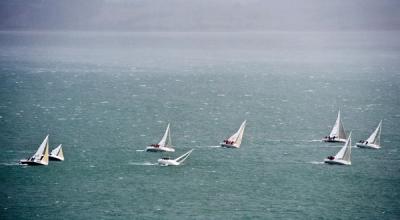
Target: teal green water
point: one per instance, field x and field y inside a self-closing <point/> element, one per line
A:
<point x="105" y="96"/>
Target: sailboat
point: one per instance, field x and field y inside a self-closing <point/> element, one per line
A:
<point x="337" y="134"/>
<point x="374" y="141"/>
<point x="41" y="157"/>
<point x="343" y="156"/>
<point x="166" y="161"/>
<point x="165" y="145"/>
<point x="57" y="154"/>
<point x="236" y="139"/>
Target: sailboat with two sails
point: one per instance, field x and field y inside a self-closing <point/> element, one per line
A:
<point x="236" y="139"/>
<point x="343" y="156"/>
<point x="374" y="140"/>
<point x="41" y="157"/>
<point x="165" y="145"/>
<point x="337" y="134"/>
<point x="57" y="154"/>
<point x="166" y="161"/>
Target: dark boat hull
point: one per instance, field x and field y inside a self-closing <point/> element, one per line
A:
<point x="31" y="163"/>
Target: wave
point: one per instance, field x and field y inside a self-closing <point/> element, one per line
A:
<point x="142" y="163"/>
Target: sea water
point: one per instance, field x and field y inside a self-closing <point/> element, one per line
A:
<point x="106" y="96"/>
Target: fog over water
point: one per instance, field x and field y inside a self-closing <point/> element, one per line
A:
<point x="205" y="15"/>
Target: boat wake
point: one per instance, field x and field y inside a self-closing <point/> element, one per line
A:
<point x="315" y="140"/>
<point x="12" y="164"/>
<point x="216" y="146"/>
<point x="139" y="150"/>
<point x="332" y="146"/>
<point x="316" y="162"/>
<point x="142" y="163"/>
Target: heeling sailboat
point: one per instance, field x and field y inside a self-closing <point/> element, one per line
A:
<point x="165" y="145"/>
<point x="41" y="157"/>
<point x="166" y="161"/>
<point x="337" y="134"/>
<point x="374" y="140"/>
<point x="236" y="139"/>
<point x="57" y="153"/>
<point x="343" y="157"/>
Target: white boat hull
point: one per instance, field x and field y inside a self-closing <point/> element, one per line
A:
<point x="159" y="149"/>
<point x="337" y="162"/>
<point x="54" y="157"/>
<point x="168" y="162"/>
<point x="334" y="140"/>
<point x="32" y="162"/>
<point x="228" y="145"/>
<point x="370" y="146"/>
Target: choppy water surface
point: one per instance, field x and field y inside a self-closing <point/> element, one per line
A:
<point x="105" y="96"/>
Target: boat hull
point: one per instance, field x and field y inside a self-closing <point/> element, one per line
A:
<point x="32" y="163"/>
<point x="334" y="141"/>
<point x="337" y="162"/>
<point x="159" y="149"/>
<point x="55" y="158"/>
<point x="369" y="146"/>
<point x="228" y="145"/>
<point x="165" y="162"/>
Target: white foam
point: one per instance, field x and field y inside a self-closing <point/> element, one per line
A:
<point x="139" y="150"/>
<point x="142" y="163"/>
<point x="11" y="164"/>
<point x="315" y="140"/>
<point x="316" y="162"/>
<point x="216" y="146"/>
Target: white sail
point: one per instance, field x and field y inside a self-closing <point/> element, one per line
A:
<point x="375" y="137"/>
<point x="237" y="137"/>
<point x="56" y="150"/>
<point x="338" y="130"/>
<point x="42" y="153"/>
<point x="183" y="157"/>
<point x="57" y="153"/>
<point x="345" y="152"/>
<point x="166" y="139"/>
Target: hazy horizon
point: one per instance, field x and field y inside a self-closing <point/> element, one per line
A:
<point x="207" y="15"/>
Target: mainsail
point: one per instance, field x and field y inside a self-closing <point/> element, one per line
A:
<point x="345" y="152"/>
<point x="166" y="139"/>
<point x="375" y="137"/>
<point x="42" y="154"/>
<point x="338" y="130"/>
<point x="237" y="137"/>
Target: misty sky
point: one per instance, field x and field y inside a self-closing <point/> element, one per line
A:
<point x="200" y="15"/>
